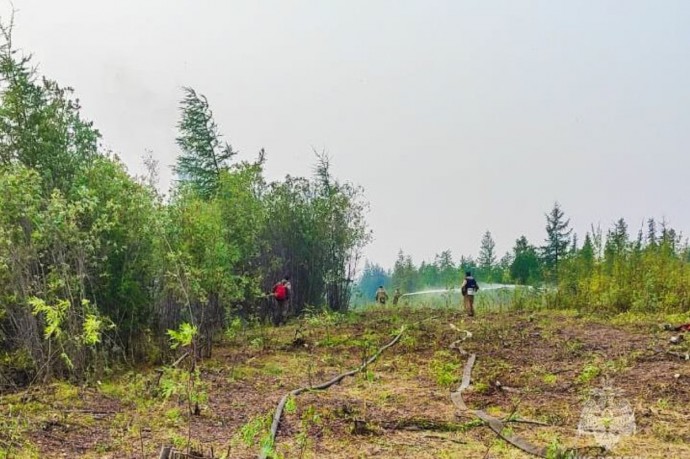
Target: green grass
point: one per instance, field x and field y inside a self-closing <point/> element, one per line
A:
<point x="550" y="379"/>
<point x="446" y="372"/>
<point x="588" y="373"/>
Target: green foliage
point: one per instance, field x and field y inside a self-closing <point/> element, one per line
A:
<point x="558" y="233"/>
<point x="556" y="450"/>
<point x="405" y="275"/>
<point x="174" y="415"/>
<point x="183" y="337"/>
<point x="445" y="371"/>
<point x="487" y="258"/>
<point x="233" y="328"/>
<point x="525" y="268"/>
<point x="40" y="124"/>
<point x="320" y="220"/>
<point x="290" y="405"/>
<point x="550" y="379"/>
<point x="92" y="330"/>
<point x="256" y="429"/>
<point x="53" y="315"/>
<point x="185" y="384"/>
<point x="204" y="156"/>
<point x="373" y="276"/>
<point x="610" y="273"/>
<point x="588" y="373"/>
<point x="95" y="263"/>
<point x="649" y="275"/>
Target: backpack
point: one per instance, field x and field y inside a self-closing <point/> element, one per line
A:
<point x="470" y="284"/>
<point x="281" y="292"/>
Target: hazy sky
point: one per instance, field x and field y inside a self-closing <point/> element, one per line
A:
<point x="455" y="116"/>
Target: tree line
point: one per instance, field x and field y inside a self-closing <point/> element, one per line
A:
<point x="610" y="271"/>
<point x="96" y="266"/>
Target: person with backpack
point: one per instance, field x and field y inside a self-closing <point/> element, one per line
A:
<point x="281" y="292"/>
<point x="381" y="295"/>
<point x="468" y="289"/>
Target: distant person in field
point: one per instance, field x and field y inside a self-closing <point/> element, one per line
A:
<point x="381" y="295"/>
<point x="281" y="292"/>
<point x="396" y="296"/>
<point x="468" y="289"/>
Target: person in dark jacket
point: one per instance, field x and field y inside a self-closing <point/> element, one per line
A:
<point x="468" y="289"/>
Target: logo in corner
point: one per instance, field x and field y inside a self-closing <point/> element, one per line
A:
<point x="607" y="417"/>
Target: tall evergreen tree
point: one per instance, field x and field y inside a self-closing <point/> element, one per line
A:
<point x="651" y="232"/>
<point x="487" y="256"/>
<point x="204" y="155"/>
<point x="405" y="275"/>
<point x="617" y="241"/>
<point x="446" y="269"/>
<point x="574" y="246"/>
<point x="557" y="238"/>
<point x="587" y="251"/>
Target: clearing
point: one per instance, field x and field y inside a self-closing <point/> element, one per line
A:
<point x="531" y="365"/>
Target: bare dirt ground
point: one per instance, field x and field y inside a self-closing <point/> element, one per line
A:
<point x="533" y="365"/>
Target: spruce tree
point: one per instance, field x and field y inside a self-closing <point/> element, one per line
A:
<point x="204" y="155"/>
<point x="557" y="238"/>
<point x="487" y="256"/>
<point x="587" y="251"/>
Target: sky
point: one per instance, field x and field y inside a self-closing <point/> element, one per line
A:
<point x="455" y="116"/>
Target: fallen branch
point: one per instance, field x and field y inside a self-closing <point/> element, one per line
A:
<point x="182" y="357"/>
<point x="281" y="405"/>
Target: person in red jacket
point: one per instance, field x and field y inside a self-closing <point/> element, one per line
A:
<point x="281" y="292"/>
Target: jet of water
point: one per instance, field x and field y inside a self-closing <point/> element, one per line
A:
<point x="484" y="287"/>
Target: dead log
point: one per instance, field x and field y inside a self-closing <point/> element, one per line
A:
<point x="281" y="405"/>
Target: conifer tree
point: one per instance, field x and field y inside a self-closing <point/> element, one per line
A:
<point x="204" y="155"/>
<point x="487" y="256"/>
<point x="557" y="238"/>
